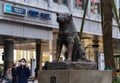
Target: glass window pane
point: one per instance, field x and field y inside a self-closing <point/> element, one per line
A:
<point x="119" y="3"/>
<point x="80" y="4"/>
<point x="119" y="9"/>
<point x="56" y="1"/>
<point x="74" y="3"/>
<point x="95" y="6"/>
<point x="60" y="1"/>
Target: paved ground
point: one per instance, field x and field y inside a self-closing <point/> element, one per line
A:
<point x="35" y="81"/>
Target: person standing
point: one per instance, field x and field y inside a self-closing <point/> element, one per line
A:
<point x="14" y="74"/>
<point x="36" y="71"/>
<point x="9" y="75"/>
<point x="23" y="72"/>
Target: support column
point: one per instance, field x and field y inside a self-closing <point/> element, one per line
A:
<point x="96" y="45"/>
<point x="70" y="5"/>
<point x="38" y="53"/>
<point x="50" y="2"/>
<point x="55" y="35"/>
<point x="8" y="54"/>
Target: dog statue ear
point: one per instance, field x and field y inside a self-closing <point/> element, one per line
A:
<point x="57" y="14"/>
<point x="71" y="15"/>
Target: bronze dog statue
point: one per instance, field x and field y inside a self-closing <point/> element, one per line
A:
<point x="68" y="36"/>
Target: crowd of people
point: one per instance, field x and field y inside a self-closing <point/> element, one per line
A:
<point x="19" y="73"/>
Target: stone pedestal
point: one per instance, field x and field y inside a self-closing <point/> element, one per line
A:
<point x="75" y="76"/>
<point x="70" y="66"/>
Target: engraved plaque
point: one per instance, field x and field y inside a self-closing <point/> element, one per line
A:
<point x="52" y="79"/>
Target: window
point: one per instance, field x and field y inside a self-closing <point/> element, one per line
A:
<point x="60" y="1"/>
<point x="26" y="0"/>
<point x="80" y="4"/>
<point x="119" y="3"/>
<point x="95" y="6"/>
<point x="46" y="2"/>
<point x="56" y="1"/>
<point x="119" y="9"/>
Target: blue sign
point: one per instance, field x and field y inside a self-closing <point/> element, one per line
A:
<point x="33" y="13"/>
<point x="19" y="11"/>
<point x="42" y="15"/>
<point x="7" y="8"/>
<point x="10" y="9"/>
<point x="14" y="10"/>
<point x="45" y="16"/>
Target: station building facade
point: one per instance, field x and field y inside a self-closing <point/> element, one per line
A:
<point x="28" y="29"/>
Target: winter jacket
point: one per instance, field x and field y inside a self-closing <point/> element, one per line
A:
<point x="23" y="74"/>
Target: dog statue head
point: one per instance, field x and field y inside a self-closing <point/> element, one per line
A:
<point x="64" y="17"/>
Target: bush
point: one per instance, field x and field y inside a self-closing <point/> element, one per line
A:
<point x="116" y="81"/>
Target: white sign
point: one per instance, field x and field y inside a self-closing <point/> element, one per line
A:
<point x="33" y="66"/>
<point x="101" y="62"/>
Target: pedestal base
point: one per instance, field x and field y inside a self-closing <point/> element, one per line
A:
<point x="70" y="66"/>
<point x="75" y="76"/>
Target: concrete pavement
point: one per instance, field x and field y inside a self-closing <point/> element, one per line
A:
<point x="35" y="81"/>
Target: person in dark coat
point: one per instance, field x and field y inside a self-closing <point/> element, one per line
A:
<point x="36" y="71"/>
<point x="14" y="74"/>
<point x="23" y="72"/>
